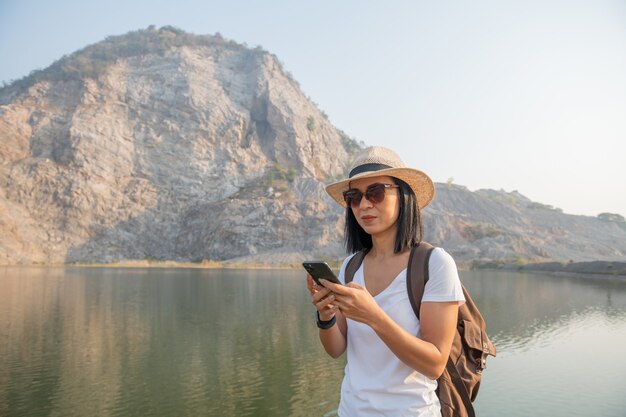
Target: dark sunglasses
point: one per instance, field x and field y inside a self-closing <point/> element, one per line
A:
<point x="374" y="193"/>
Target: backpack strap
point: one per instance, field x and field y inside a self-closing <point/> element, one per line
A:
<point x="417" y="274"/>
<point x="457" y="381"/>
<point x="354" y="264"/>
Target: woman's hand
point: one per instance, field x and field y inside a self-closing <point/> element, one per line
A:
<point x="322" y="298"/>
<point x="334" y="338"/>
<point x="354" y="301"/>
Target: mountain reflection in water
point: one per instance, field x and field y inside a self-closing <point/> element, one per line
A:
<point x="163" y="342"/>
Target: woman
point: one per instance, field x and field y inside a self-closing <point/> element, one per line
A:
<point x="393" y="359"/>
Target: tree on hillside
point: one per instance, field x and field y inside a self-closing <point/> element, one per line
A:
<point x="611" y="217"/>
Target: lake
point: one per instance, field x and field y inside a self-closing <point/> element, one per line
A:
<point x="210" y="342"/>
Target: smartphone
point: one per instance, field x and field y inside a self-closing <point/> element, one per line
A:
<point x="319" y="270"/>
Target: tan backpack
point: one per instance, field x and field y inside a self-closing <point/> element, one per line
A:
<point x="458" y="386"/>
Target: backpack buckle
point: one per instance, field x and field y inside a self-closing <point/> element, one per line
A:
<point x="482" y="363"/>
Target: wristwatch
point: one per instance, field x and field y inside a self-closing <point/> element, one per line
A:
<point x="324" y="325"/>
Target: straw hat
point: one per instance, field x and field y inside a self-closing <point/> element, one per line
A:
<point x="378" y="161"/>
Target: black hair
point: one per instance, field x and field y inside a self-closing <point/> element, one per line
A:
<point x="409" y="224"/>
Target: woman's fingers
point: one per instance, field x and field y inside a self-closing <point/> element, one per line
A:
<point x="322" y="298"/>
<point x="324" y="302"/>
<point x="341" y="289"/>
<point x="310" y="284"/>
<point x="321" y="295"/>
<point x="332" y="286"/>
<point x="326" y="308"/>
<point x="318" y="293"/>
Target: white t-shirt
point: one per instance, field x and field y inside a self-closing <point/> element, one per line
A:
<point x="376" y="382"/>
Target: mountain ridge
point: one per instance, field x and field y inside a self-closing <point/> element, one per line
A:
<point x="160" y="144"/>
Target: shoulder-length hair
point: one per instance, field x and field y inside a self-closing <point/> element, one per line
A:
<point x="409" y="224"/>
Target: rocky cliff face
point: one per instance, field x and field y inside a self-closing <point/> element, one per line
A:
<point x="190" y="152"/>
<point x="496" y="225"/>
<point x="163" y="145"/>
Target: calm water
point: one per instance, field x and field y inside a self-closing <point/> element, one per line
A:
<point x="177" y="342"/>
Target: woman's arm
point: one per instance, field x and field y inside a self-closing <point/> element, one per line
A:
<point x="428" y="354"/>
<point x="334" y="338"/>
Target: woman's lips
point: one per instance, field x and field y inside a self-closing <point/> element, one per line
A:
<point x="368" y="219"/>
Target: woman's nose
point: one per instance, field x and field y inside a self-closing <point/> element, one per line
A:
<point x="365" y="203"/>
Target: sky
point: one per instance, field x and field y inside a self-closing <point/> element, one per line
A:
<point x="526" y="96"/>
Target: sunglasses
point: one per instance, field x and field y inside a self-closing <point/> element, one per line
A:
<point x="374" y="193"/>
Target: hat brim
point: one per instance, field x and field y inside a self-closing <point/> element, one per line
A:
<point x="420" y="183"/>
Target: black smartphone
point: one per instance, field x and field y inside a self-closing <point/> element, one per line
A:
<point x="319" y="270"/>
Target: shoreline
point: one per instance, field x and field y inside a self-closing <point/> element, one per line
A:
<point x="593" y="269"/>
<point x="153" y="264"/>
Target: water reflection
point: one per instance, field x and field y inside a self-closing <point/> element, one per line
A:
<point x="521" y="308"/>
<point x="152" y="342"/>
<point x="66" y="338"/>
<point x="560" y="343"/>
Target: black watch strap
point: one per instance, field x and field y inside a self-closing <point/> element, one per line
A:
<point x="324" y="325"/>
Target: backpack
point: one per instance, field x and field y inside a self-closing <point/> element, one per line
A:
<point x="458" y="386"/>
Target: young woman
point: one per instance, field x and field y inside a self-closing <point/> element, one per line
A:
<point x="393" y="359"/>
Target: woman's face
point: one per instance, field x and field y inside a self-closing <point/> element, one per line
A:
<point x="377" y="218"/>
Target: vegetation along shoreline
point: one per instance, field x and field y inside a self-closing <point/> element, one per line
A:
<point x="600" y="269"/>
<point x="595" y="269"/>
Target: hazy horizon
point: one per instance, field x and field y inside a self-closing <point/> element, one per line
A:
<point x="503" y="95"/>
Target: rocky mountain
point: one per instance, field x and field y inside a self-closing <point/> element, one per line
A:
<point x="489" y="225"/>
<point x="160" y="144"/>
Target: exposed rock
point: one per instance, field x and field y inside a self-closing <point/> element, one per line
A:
<point x="160" y="156"/>
<point x="163" y="145"/>
<point x="489" y="224"/>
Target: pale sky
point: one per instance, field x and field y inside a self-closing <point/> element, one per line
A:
<point x="515" y="95"/>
